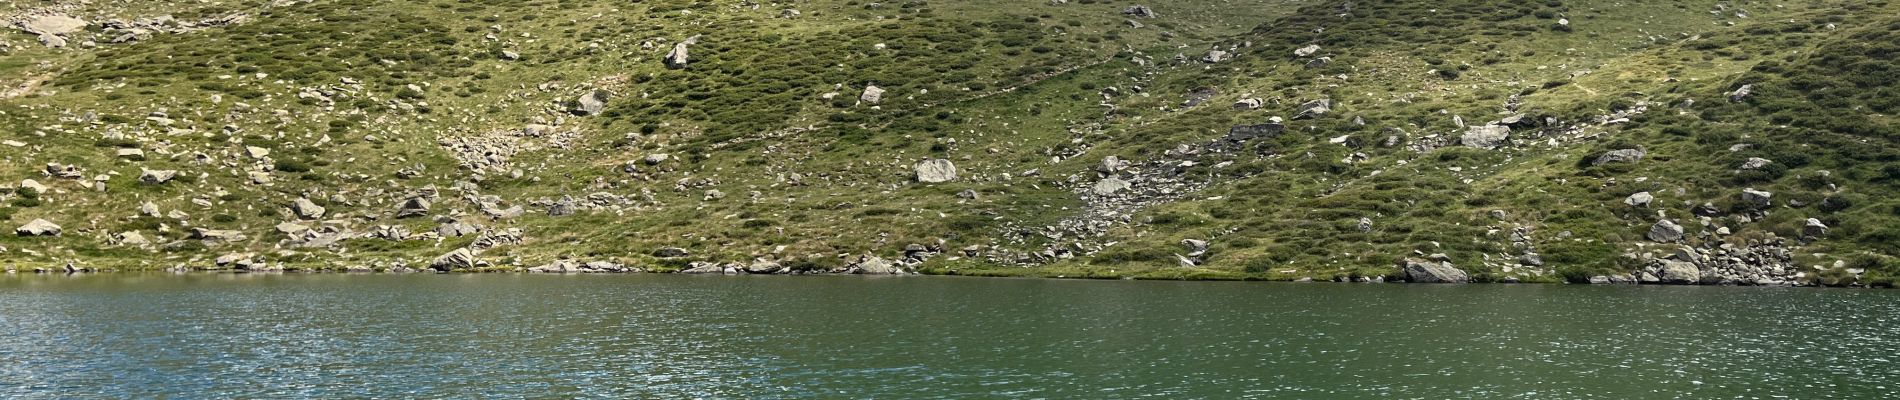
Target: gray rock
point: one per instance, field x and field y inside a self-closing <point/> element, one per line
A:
<point x="1620" y="156"/>
<point x="1306" y="51"/>
<point x="679" y="56"/>
<point x="1665" y="231"/>
<point x="414" y="207"/>
<point x="156" y="176"/>
<point x="1755" y="163"/>
<point x="39" y="227"/>
<point x="53" y="25"/>
<point x="1139" y="11"/>
<point x="874" y="265"/>
<point x="1486" y="136"/>
<point x="1757" y="198"/>
<point x="592" y="103"/>
<point x="1814" y="228"/>
<point x="1111" y="164"/>
<point x="1531" y="260"/>
<point x="215" y="236"/>
<point x="1196" y="247"/>
<point x="1215" y="56"/>
<point x="1640" y="199"/>
<point x="1679" y="273"/>
<point x="1110" y="186"/>
<point x="1315" y="108"/>
<point x="306" y="209"/>
<point x="1419" y="271"/>
<point x="935" y="171"/>
<point x="460" y="259"/>
<point x="1249" y="104"/>
<point x="1741" y="93"/>
<point x="763" y="267"/>
<point x="872" y="94"/>
<point x="670" y="252"/>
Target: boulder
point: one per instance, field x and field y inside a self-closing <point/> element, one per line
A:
<point x="157" y="176"/>
<point x="1814" y="228"/>
<point x="1306" y="51"/>
<point x="39" y="227"/>
<point x="655" y="158"/>
<point x="1741" y="93"/>
<point x="1215" y="56"/>
<point x="130" y="239"/>
<point x="1676" y="272"/>
<point x="874" y="265"/>
<point x="670" y="252"/>
<point x="459" y="259"/>
<point x="33" y="184"/>
<point x="935" y="171"/>
<point x="414" y="207"/>
<point x="872" y="94"/>
<point x="1755" y="163"/>
<point x="1640" y="199"/>
<point x="1315" y="108"/>
<point x="1249" y="104"/>
<point x="763" y="267"/>
<point x="1619" y="156"/>
<point x="678" y="57"/>
<point x="1110" y="186"/>
<point x="1139" y="11"/>
<point x="130" y="154"/>
<point x="1665" y="231"/>
<point x="1111" y="164"/>
<point x="306" y="209"/>
<point x="53" y="25"/>
<point x="1420" y="271"/>
<point x="1486" y="136"/>
<point x="215" y="236"/>
<point x="591" y="103"/>
<point x="1757" y="198"/>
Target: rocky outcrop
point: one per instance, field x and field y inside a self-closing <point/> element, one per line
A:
<point x="1314" y="109"/>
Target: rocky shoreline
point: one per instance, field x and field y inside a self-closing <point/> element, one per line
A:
<point x="1414" y="271"/>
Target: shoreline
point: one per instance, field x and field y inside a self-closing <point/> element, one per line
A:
<point x="930" y="273"/>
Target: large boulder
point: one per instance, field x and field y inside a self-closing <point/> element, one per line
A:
<point x="1420" y="271"/>
<point x="1814" y="228"/>
<point x="678" y="57"/>
<point x="307" y="209"/>
<point x="53" y="25"/>
<point x="874" y="265"/>
<point x="216" y="236"/>
<point x="1757" y="198"/>
<point x="1139" y="11"/>
<point x="1755" y="163"/>
<point x="1110" y="186"/>
<point x="935" y="171"/>
<point x="414" y="207"/>
<point x="459" y="259"/>
<point x="1676" y="272"/>
<point x="1665" y="231"/>
<point x="1486" y="136"/>
<point x="591" y="103"/>
<point x="1640" y="199"/>
<point x="38" y="227"/>
<point x="872" y="94"/>
<point x="157" y="176"/>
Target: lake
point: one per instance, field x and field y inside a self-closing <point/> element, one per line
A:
<point x="743" y="337"/>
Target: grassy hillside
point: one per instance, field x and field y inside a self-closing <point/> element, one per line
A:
<point x="568" y="123"/>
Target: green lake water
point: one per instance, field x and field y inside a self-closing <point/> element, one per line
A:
<point x="739" y="337"/>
